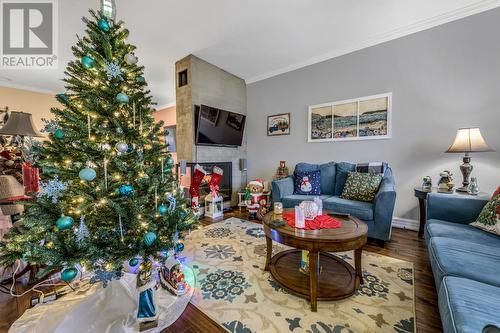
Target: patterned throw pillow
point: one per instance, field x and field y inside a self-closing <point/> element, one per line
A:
<point x="489" y="219"/>
<point x="307" y="183"/>
<point x="361" y="186"/>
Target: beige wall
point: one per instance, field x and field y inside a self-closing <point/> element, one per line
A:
<point x="168" y="115"/>
<point x="38" y="104"/>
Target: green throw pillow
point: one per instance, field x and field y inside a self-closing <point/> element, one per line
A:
<point x="361" y="186"/>
<point x="489" y="219"/>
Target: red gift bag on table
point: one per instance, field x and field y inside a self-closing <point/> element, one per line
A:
<point x="30" y="178"/>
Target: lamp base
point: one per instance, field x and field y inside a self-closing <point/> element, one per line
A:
<point x="466" y="169"/>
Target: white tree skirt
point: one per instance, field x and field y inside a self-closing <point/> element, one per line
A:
<point x="98" y="309"/>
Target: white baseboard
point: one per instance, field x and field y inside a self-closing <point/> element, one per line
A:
<point x="402" y="223"/>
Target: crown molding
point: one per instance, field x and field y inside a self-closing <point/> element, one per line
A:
<point x="169" y="105"/>
<point x="422" y="25"/>
<point x="27" y="88"/>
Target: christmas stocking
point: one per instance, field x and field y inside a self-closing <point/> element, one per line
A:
<point x="194" y="189"/>
<point x="214" y="181"/>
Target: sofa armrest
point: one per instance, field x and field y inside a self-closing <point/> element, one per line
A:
<point x="282" y="188"/>
<point x="384" y="203"/>
<point x="454" y="208"/>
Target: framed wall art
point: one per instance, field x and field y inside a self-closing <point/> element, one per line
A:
<point x="363" y="118"/>
<point x="278" y="124"/>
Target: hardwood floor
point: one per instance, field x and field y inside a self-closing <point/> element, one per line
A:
<point x="404" y="245"/>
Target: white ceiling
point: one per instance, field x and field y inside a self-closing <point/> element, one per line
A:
<point x="252" y="39"/>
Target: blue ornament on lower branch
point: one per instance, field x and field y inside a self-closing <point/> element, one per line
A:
<point x="179" y="247"/>
<point x="64" y="222"/>
<point x="126" y="190"/>
<point x="149" y="238"/>
<point x="69" y="274"/>
<point x="133" y="262"/>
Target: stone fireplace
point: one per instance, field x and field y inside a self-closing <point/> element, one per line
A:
<point x="226" y="182"/>
<point x="204" y="83"/>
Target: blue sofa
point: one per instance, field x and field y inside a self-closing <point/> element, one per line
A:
<point x="377" y="214"/>
<point x="465" y="262"/>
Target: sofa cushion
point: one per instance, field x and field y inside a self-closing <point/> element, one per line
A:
<point x="440" y="228"/>
<point x="489" y="219"/>
<point x="359" y="209"/>
<point x="468" y="306"/>
<point x="342" y="169"/>
<point x="307" y="182"/>
<point x="328" y="172"/>
<point x="361" y="186"/>
<point x="453" y="257"/>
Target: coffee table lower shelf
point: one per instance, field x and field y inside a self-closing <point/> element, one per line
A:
<point x="336" y="278"/>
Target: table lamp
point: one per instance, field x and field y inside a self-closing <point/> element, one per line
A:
<point x="468" y="140"/>
<point x="20" y="123"/>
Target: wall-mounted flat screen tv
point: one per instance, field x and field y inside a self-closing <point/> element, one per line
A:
<point x="216" y="127"/>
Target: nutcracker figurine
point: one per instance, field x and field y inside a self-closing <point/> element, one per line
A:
<point x="146" y="312"/>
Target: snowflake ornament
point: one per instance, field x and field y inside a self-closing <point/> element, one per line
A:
<point x="105" y="277"/>
<point x="50" y="126"/>
<point x="113" y="70"/>
<point x="52" y="189"/>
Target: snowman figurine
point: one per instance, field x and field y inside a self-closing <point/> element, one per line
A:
<point x="305" y="185"/>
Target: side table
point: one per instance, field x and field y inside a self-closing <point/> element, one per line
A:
<point x="421" y="194"/>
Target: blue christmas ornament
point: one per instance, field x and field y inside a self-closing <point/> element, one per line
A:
<point x="64" y="222"/>
<point x="103" y="25"/>
<point x="126" y="190"/>
<point x="163" y="209"/>
<point x="179" y="247"/>
<point x="63" y="98"/>
<point x="59" y="134"/>
<point x="88" y="62"/>
<point x="170" y="161"/>
<point x="87" y="174"/>
<point x="140" y="79"/>
<point x="122" y="98"/>
<point x="69" y="274"/>
<point x="149" y="238"/>
<point x="133" y="262"/>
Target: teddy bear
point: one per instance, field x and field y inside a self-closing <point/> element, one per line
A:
<point x="255" y="197"/>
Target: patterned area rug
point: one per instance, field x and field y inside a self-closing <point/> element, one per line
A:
<point x="233" y="289"/>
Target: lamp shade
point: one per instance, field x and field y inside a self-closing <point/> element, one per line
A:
<point x="468" y="140"/>
<point x="20" y="123"/>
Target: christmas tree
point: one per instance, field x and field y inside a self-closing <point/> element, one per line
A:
<point x="110" y="193"/>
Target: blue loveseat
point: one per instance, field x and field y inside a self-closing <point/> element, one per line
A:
<point x="465" y="262"/>
<point x="377" y="214"/>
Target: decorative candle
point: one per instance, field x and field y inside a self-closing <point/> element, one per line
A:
<point x="299" y="218"/>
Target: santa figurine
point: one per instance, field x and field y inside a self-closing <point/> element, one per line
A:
<point x="255" y="197"/>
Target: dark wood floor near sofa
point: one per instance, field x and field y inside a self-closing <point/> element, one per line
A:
<point x="404" y="245"/>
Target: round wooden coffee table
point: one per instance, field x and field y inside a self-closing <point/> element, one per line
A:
<point x="330" y="277"/>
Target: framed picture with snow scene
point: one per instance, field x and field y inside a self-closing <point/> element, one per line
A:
<point x="364" y="118"/>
